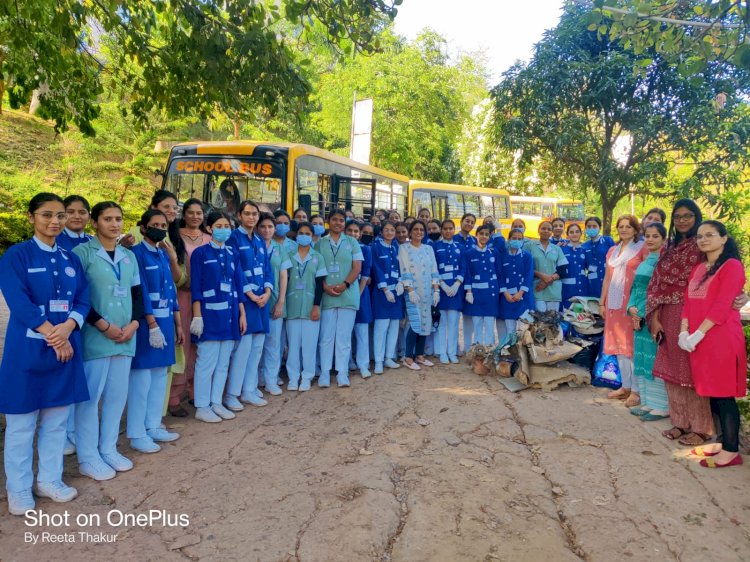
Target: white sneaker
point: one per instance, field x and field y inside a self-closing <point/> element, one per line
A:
<point x="378" y="368"/>
<point x="162" y="435"/>
<point x="444" y="359"/>
<point x="426" y="362"/>
<point x="365" y="374"/>
<point x="274" y="390"/>
<point x="222" y="412"/>
<point x="342" y="381"/>
<point x="391" y="364"/>
<point x="98" y="470"/>
<point x="56" y="491"/>
<point x="118" y="462"/>
<point x="292" y="386"/>
<point x="413" y="366"/>
<point x="453" y="359"/>
<point x="305" y="385"/>
<point x="253" y="399"/>
<point x="206" y="415"/>
<point x="144" y="445"/>
<point x="233" y="403"/>
<point x="70" y="448"/>
<point x="20" y="502"/>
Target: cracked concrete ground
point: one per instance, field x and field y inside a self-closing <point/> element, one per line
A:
<point x="430" y="466"/>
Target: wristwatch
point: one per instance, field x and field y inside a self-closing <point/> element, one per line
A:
<point x="347" y="284"/>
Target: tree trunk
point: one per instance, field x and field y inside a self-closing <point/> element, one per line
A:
<point x="2" y="92"/>
<point x="237" y="124"/>
<point x="607" y="211"/>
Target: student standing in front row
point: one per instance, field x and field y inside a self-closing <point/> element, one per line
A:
<point x="483" y="268"/>
<point x="550" y="266"/>
<point x="387" y="301"/>
<point x="42" y="369"/>
<point x="108" y="342"/>
<point x="363" y="319"/>
<point x="452" y="271"/>
<point x="467" y="241"/>
<point x="155" y="338"/>
<point x="596" y="248"/>
<point x="576" y="282"/>
<point x="516" y="281"/>
<point x="218" y="316"/>
<point x="343" y="260"/>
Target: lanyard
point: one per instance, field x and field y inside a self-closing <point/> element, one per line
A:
<point x="301" y="273"/>
<point x="116" y="269"/>
<point x="338" y="248"/>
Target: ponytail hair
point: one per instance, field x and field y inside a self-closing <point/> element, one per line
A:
<point x="731" y="251"/>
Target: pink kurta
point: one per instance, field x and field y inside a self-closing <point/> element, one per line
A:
<point x="719" y="362"/>
<point x="618" y="326"/>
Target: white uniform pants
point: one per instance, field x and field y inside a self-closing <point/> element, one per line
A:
<point x="362" y="347"/>
<point x="211" y="369"/>
<point x="19" y="447"/>
<point x="468" y="331"/>
<point x="146" y="393"/>
<point x="446" y="338"/>
<point x="629" y="380"/>
<point x="243" y="371"/>
<point x="544" y="306"/>
<point x="302" y="339"/>
<point x="272" y="350"/>
<point x="484" y="329"/>
<point x="336" y="327"/>
<point x="501" y="328"/>
<point x="385" y="339"/>
<point x="107" y="379"/>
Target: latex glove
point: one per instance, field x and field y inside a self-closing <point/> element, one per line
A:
<point x="414" y="297"/>
<point x="682" y="340"/>
<point x="399" y="288"/>
<point x="196" y="326"/>
<point x="435" y="298"/>
<point x="156" y="338"/>
<point x="454" y="288"/>
<point x="444" y="286"/>
<point x="389" y="296"/>
<point x="694" y="339"/>
<point x="469" y="297"/>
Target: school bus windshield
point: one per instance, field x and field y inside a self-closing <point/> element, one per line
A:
<point x="571" y="211"/>
<point x="224" y="182"/>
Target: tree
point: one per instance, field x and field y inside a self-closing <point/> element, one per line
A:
<point x="582" y="96"/>
<point x="180" y="56"/>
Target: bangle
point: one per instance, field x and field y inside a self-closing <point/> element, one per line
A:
<point x="107" y="328"/>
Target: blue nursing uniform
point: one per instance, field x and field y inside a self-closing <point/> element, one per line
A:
<point x="483" y="267"/>
<point x="451" y="268"/>
<point x="517" y="275"/>
<point x="466" y="243"/>
<point x="68" y="239"/>
<point x="498" y="242"/>
<point x="258" y="275"/>
<point x="596" y="263"/>
<point x="364" y="314"/>
<point x="159" y="299"/>
<point x="41" y="283"/>
<point x="386" y="272"/>
<point x="576" y="283"/>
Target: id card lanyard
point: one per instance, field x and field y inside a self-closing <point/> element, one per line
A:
<point x="58" y="304"/>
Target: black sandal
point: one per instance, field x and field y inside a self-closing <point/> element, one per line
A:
<point x="178" y="412"/>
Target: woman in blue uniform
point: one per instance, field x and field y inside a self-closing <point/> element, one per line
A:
<point x="77" y="210"/>
<point x="257" y="286"/>
<point x="558" y="227"/>
<point x="596" y="248"/>
<point x="387" y="301"/>
<point x="516" y="281"/>
<point x="363" y="319"/>
<point x="575" y="283"/>
<point x="47" y="294"/>
<point x="155" y="338"/>
<point x="467" y="241"/>
<point x="451" y="268"/>
<point x="108" y="342"/>
<point x="483" y="268"/>
<point x="217" y="282"/>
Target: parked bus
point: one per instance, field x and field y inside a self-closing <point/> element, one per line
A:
<point x="280" y="175"/>
<point x="534" y="210"/>
<point x="448" y="200"/>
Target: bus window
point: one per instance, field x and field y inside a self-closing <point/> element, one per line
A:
<point x="440" y="205"/>
<point x="571" y="211"/>
<point x="420" y="200"/>
<point x="502" y="208"/>
<point x="471" y="205"/>
<point x="455" y="208"/>
<point x="487" y="206"/>
<point x="548" y="210"/>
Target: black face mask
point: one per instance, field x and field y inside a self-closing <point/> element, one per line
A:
<point x="434" y="236"/>
<point x="155" y="234"/>
<point x="366" y="239"/>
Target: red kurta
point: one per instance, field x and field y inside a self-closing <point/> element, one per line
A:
<point x="719" y="362"/>
<point x="618" y="326"/>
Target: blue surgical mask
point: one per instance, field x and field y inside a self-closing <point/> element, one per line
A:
<point x="304" y="239"/>
<point x="521" y="228"/>
<point x="516" y="244"/>
<point x="221" y="234"/>
<point x="282" y="229"/>
<point x="319" y="229"/>
<point x="592" y="232"/>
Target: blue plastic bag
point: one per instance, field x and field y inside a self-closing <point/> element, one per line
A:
<point x="606" y="372"/>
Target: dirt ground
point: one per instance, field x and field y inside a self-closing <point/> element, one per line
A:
<point x="430" y="466"/>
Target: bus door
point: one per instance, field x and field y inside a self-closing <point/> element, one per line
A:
<point x="353" y="194"/>
<point x="439" y="206"/>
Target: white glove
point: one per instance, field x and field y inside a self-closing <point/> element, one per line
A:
<point x="156" y="338"/>
<point x="454" y="288"/>
<point x="682" y="340"/>
<point x="469" y="297"/>
<point x="694" y="339"/>
<point x="435" y="298"/>
<point x="444" y="286"/>
<point x="399" y="288"/>
<point x="414" y="297"/>
<point x="389" y="296"/>
<point x="196" y="326"/>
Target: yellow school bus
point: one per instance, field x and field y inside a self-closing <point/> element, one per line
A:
<point x="535" y="210"/>
<point x="452" y="201"/>
<point x="280" y="175"/>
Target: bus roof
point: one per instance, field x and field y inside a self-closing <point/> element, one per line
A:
<point x="418" y="184"/>
<point x="295" y="150"/>
<point x="522" y="199"/>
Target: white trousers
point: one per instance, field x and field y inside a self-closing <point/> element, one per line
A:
<point x="385" y="339"/>
<point x="243" y="371"/>
<point x="510" y="326"/>
<point x="273" y="347"/>
<point x="336" y="327"/>
<point x="501" y="328"/>
<point x="146" y="393"/>
<point x="484" y="329"/>
<point x="211" y="370"/>
<point x="362" y="346"/>
<point x="629" y="380"/>
<point x="107" y="379"/>
<point x="302" y="339"/>
<point x="446" y="338"/>
<point x="468" y="331"/>
<point x="544" y="306"/>
<point x="19" y="447"/>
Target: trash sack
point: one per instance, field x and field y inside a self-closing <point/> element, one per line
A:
<point x="606" y="372"/>
<point x="586" y="358"/>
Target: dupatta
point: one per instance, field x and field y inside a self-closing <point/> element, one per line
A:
<point x="671" y="275"/>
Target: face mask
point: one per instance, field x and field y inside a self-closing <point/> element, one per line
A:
<point x="282" y="229"/>
<point x="304" y="239"/>
<point x="319" y="229"/>
<point x="155" y="234"/>
<point x="366" y="239"/>
<point x="434" y="236"/>
<point x="221" y="234"/>
<point x="592" y="232"/>
<point x="521" y="228"/>
<point x="515" y="244"/>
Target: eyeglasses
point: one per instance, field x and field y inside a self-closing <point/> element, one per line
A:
<point x="707" y="236"/>
<point x="49" y="216"/>
<point x="683" y="218"/>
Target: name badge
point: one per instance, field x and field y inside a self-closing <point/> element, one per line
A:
<point x="448" y="267"/>
<point x="163" y="303"/>
<point x="333" y="268"/>
<point x="299" y="286"/>
<point x="119" y="291"/>
<point x="58" y="306"/>
<point x="225" y="287"/>
<point x="258" y="271"/>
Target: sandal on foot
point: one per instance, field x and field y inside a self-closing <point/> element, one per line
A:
<point x="673" y="433"/>
<point x="701" y="452"/>
<point x="648" y="416"/>
<point x="178" y="412"/>
<point x="633" y="400"/>
<point x="638" y="411"/>
<point x="711" y="463"/>
<point x="619" y="394"/>
<point x="693" y="439"/>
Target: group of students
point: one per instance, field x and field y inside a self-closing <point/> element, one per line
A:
<point x="208" y="307"/>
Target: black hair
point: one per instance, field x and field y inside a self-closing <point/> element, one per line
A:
<point x="281" y="212"/>
<point x="484" y="227"/>
<point x="447" y="221"/>
<point x="413" y="225"/>
<point x="229" y="191"/>
<point x="410" y="218"/>
<point x="597" y="220"/>
<point x="437" y="222"/>
<point x="659" y="211"/>
<point x="571" y="225"/>
<point x="102" y="206"/>
<point x="70" y="199"/>
<point x="266" y="217"/>
<point x="424" y="209"/>
<point x="306" y="225"/>
<point x="161" y="195"/>
<point x="365" y="224"/>
<point x="356" y="223"/>
<point x="674" y="236"/>
<point x="335" y="212"/>
<point x="214" y="216"/>
<point x="385" y="223"/>
<point x="173" y="228"/>
<point x="469" y="215"/>
<point x="247" y="203"/>
<point x="298" y="209"/>
<point x="658" y="226"/>
<point x="148" y="215"/>
<point x="310" y="219"/>
<point x="41" y="198"/>
<point x="555" y="219"/>
<point x="512" y="230"/>
<point x="730" y="251"/>
<point x="186" y="205"/>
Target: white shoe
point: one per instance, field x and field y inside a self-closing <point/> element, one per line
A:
<point x="292" y="386"/>
<point x="274" y="390"/>
<point x="413" y="366"/>
<point x="426" y="362"/>
<point x="391" y="364"/>
<point x="222" y="412"/>
<point x="118" y="462"/>
<point x="206" y="415"/>
<point x="453" y="359"/>
<point x="305" y="385"/>
<point x="378" y="369"/>
<point x="20" y="502"/>
<point x="56" y="491"/>
<point x="233" y="403"/>
<point x="144" y="445"/>
<point x="342" y="381"/>
<point x="98" y="470"/>
<point x="162" y="435"/>
<point x="70" y="448"/>
<point x="365" y="374"/>
<point x="253" y="399"/>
